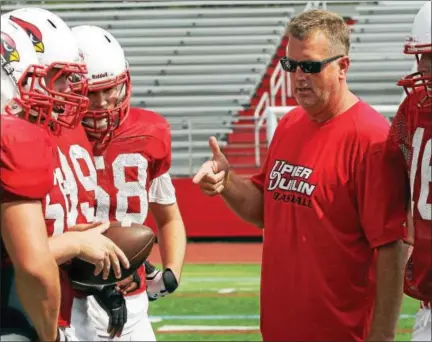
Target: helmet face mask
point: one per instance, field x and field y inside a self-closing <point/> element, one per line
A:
<point x="66" y="83"/>
<point x="22" y="78"/>
<point x="57" y="50"/>
<point x="109" y="82"/>
<point x="419" y="87"/>
<point x="29" y="102"/>
<point x="104" y="121"/>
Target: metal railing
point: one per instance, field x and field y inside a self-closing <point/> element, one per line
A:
<point x="277" y="82"/>
<point x="260" y="116"/>
<point x="186" y="129"/>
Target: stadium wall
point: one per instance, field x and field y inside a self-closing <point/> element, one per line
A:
<point x="207" y="217"/>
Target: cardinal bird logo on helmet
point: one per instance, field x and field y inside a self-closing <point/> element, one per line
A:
<point x="8" y="49"/>
<point x="32" y="31"/>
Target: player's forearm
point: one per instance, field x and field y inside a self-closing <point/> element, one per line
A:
<point x="172" y="245"/>
<point x="39" y="293"/>
<point x="64" y="247"/>
<point x="171" y="236"/>
<point x="389" y="292"/>
<point x="245" y="199"/>
<point x="25" y="238"/>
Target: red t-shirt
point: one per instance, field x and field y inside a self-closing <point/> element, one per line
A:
<point x="412" y="130"/>
<point x="139" y="152"/>
<point x="331" y="195"/>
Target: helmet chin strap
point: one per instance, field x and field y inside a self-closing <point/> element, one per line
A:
<point x="14" y="108"/>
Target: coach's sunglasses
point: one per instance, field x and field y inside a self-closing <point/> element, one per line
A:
<point x="308" y="67"/>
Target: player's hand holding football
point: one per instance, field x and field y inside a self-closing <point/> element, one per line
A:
<point x="114" y="304"/>
<point x="129" y="284"/>
<point x="98" y="250"/>
<point x="213" y="174"/>
<point x="159" y="284"/>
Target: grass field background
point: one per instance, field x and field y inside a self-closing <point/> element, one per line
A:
<point x="214" y="300"/>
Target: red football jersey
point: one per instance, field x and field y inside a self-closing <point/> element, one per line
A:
<point x="139" y="152"/>
<point x="27" y="162"/>
<point x="79" y="174"/>
<point x="27" y="159"/>
<point x="330" y="198"/>
<point x="31" y="168"/>
<point x="412" y="129"/>
<point x="73" y="201"/>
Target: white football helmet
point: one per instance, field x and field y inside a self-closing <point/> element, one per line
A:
<point x="22" y="78"/>
<point x="420" y="39"/>
<point x="107" y="68"/>
<point x="58" y="51"/>
<point x="419" y="43"/>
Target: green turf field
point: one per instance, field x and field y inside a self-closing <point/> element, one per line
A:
<point x="221" y="298"/>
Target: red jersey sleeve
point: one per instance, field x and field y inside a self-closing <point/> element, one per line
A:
<point x="382" y="195"/>
<point x="26" y="160"/>
<point x="162" y="158"/>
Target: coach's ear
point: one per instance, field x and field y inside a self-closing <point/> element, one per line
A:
<point x="344" y="63"/>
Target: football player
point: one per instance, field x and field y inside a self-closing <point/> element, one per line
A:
<point x="132" y="149"/>
<point x="25" y="181"/>
<point x="412" y="127"/>
<point x="70" y="205"/>
<point x="29" y="165"/>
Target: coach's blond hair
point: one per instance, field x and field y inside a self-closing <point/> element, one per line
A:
<point x="330" y="24"/>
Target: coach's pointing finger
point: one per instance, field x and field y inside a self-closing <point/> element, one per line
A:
<point x="205" y="169"/>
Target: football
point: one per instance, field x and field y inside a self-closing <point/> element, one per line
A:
<point x="136" y="241"/>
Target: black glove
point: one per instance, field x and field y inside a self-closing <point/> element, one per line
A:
<point x="159" y="284"/>
<point x="113" y="302"/>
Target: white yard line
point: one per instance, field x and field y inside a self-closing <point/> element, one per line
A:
<point x="220" y="279"/>
<point x="155" y="319"/>
<point x="187" y="328"/>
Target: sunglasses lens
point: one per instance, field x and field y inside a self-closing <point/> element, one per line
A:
<point x="310" y="67"/>
<point x="289" y="65"/>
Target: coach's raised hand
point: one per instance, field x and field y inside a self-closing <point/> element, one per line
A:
<point x="213" y="174"/>
<point x="241" y="195"/>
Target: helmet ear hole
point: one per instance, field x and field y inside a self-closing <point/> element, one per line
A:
<point x="107" y="38"/>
